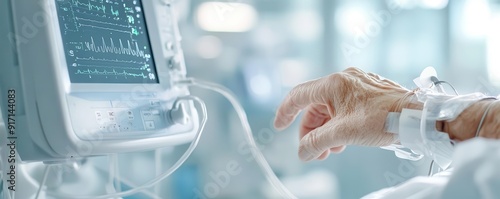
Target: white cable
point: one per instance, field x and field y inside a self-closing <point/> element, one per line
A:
<point x="44" y="179"/>
<point x="114" y="180"/>
<point x="111" y="175"/>
<point x="161" y="177"/>
<point x="484" y="117"/>
<point x="117" y="183"/>
<point x="158" y="166"/>
<point x="268" y="172"/>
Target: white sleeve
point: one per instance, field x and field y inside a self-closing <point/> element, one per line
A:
<point x="476" y="174"/>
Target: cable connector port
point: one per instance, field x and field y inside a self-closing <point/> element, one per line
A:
<point x="178" y="114"/>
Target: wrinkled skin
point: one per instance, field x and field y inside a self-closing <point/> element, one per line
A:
<point x="345" y="108"/>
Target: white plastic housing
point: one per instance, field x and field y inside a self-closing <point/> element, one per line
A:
<point x="57" y="119"/>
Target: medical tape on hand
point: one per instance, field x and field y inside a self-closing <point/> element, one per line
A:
<point x="417" y="129"/>
<point x="409" y="130"/>
<point x="392" y="125"/>
<point x="413" y="144"/>
<point x="440" y="107"/>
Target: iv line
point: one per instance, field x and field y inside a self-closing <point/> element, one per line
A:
<point x="268" y="172"/>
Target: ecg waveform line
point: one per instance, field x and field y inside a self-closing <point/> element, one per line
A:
<point x="121" y="50"/>
<point x="92" y="14"/>
<point x="107" y="8"/>
<point x="101" y="22"/>
<point x="104" y="28"/>
<point x="114" y="12"/>
<point x="89" y="5"/>
<point x="144" y="67"/>
<point x="105" y="72"/>
<point x="111" y="60"/>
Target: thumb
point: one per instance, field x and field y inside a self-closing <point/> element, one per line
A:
<point x="320" y="140"/>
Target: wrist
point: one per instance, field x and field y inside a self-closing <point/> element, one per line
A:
<point x="491" y="125"/>
<point x="465" y="126"/>
<point x="408" y="101"/>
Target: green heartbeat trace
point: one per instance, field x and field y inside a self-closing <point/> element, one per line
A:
<point x="131" y="19"/>
<point x="105" y="72"/>
<point x="90" y="6"/>
<point x="134" y="31"/>
<point x="129" y="10"/>
<point x="113" y="12"/>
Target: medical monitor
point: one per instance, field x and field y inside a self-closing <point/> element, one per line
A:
<point x="93" y="77"/>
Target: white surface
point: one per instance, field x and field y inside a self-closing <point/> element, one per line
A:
<point x="475" y="175"/>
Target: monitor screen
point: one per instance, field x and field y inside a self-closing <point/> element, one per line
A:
<point x="106" y="41"/>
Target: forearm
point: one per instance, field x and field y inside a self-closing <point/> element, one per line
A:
<point x="464" y="127"/>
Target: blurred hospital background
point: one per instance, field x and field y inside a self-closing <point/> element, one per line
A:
<point x="261" y="49"/>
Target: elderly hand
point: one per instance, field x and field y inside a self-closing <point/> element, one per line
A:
<point x="346" y="108"/>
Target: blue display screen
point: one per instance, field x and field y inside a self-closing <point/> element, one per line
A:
<point x="106" y="41"/>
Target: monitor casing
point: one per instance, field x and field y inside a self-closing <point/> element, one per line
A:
<point x="59" y="120"/>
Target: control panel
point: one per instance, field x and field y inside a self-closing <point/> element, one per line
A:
<point x="126" y="118"/>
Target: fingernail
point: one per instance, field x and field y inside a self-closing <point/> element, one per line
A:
<point x="305" y="156"/>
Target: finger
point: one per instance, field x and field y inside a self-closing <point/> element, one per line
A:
<point x="324" y="155"/>
<point x="315" y="116"/>
<point x="353" y="70"/>
<point x="374" y="76"/>
<point x="320" y="140"/>
<point x="298" y="98"/>
<point x="337" y="149"/>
